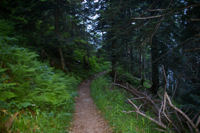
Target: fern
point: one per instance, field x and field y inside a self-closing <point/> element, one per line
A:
<point x="26" y="83"/>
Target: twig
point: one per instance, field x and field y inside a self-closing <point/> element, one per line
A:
<point x="137" y="98"/>
<point x="159" y="113"/>
<point x="164" y="101"/>
<point x="139" y="94"/>
<point x="195" y="116"/>
<point x="193" y="38"/>
<point x="182" y="113"/>
<point x="198" y="121"/>
<point x="164" y="97"/>
<point x="170" y="12"/>
<point x="195" y="19"/>
<point x="191" y="130"/>
<point x="192" y="50"/>
<point x="149" y="17"/>
<point x="156" y="10"/>
<point x="179" y="119"/>
<point x="144" y="115"/>
<point x="161" y="130"/>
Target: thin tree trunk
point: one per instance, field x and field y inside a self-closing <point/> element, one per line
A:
<point x="140" y="62"/>
<point x="131" y="59"/>
<point x="143" y="71"/>
<point x="155" y="66"/>
<point x="56" y="17"/>
<point x="57" y="32"/>
<point x="113" y="59"/>
<point x="62" y="59"/>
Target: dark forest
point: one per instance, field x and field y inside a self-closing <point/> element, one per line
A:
<point x="137" y="62"/>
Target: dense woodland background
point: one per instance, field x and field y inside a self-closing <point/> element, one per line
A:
<point x="152" y="45"/>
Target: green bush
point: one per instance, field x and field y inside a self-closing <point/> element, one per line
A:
<point x="124" y="76"/>
<point x="28" y="86"/>
<point x="112" y="103"/>
<point x="98" y="64"/>
<point x="95" y="65"/>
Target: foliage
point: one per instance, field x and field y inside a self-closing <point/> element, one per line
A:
<point x="142" y="37"/>
<point x="137" y="38"/>
<point x="42" y="96"/>
<point x="88" y="66"/>
<point x="124" y="76"/>
<point x="112" y="104"/>
<point x="55" y="29"/>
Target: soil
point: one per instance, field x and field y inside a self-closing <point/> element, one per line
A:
<point x="87" y="118"/>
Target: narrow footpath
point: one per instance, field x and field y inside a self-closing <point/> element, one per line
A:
<point x="87" y="118"/>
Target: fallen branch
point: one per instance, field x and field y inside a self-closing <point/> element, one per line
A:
<point x="146" y="116"/>
<point x="198" y="121"/>
<point x="137" y="93"/>
<point x="10" y="121"/>
<point x="182" y="113"/>
<point x="163" y="111"/>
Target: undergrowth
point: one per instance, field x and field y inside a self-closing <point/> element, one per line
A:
<point x="126" y="77"/>
<point x="113" y="103"/>
<point x="34" y="97"/>
<point x="95" y="65"/>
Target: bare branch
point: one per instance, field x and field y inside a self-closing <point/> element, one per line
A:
<point x="137" y="98"/>
<point x="156" y="10"/>
<point x="177" y="47"/>
<point x="137" y="93"/>
<point x="146" y="116"/>
<point x="149" y="17"/>
<point x="170" y="12"/>
<point x="195" y="19"/>
<point x="192" y="50"/>
<point x="179" y="119"/>
<point x="182" y="113"/>
<point x="159" y="113"/>
<point x="198" y="121"/>
<point x="161" y="130"/>
<point x="191" y="130"/>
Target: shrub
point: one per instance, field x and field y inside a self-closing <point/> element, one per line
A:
<point x="34" y="90"/>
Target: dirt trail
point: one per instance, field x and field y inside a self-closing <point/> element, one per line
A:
<point x="87" y="118"/>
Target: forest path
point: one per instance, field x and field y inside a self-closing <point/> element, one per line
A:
<point x="87" y="118"/>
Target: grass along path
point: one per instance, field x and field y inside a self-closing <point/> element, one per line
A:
<point x="113" y="103"/>
<point x="87" y="118"/>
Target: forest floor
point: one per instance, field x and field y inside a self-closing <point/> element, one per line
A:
<point x="87" y="118"/>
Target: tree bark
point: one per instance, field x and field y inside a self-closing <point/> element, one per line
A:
<point x="155" y="66"/>
<point x="142" y="68"/>
<point x="57" y="33"/>
<point x="62" y="59"/>
<point x="113" y="59"/>
<point x="56" y="18"/>
<point x="131" y="59"/>
<point x="140" y="62"/>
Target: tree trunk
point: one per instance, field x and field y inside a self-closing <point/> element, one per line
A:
<point x="57" y="33"/>
<point x="62" y="59"/>
<point x="142" y="68"/>
<point x="131" y="59"/>
<point x="56" y="17"/>
<point x="113" y="59"/>
<point x="155" y="66"/>
<point x="140" y="62"/>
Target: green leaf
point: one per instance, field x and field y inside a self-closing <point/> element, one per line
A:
<point x="6" y="95"/>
